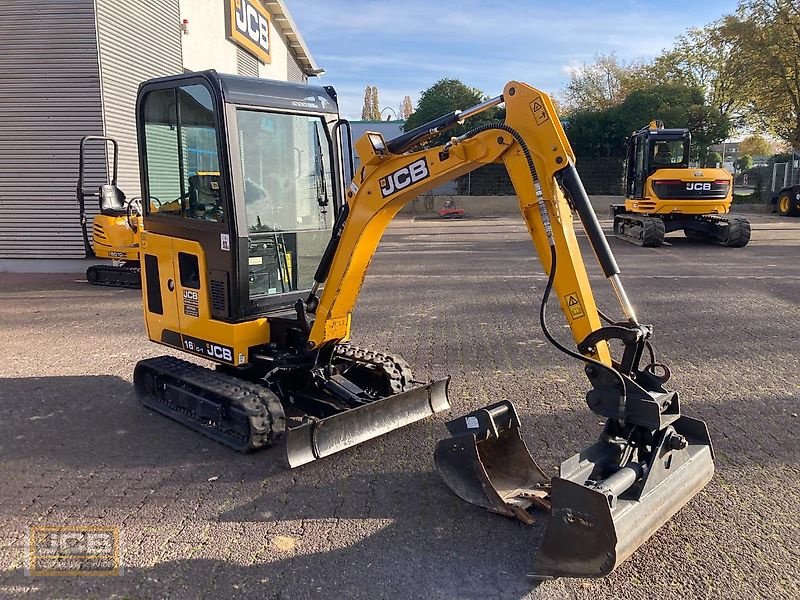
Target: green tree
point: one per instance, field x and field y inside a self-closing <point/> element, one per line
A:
<point x="744" y="162"/>
<point x="446" y="96"/>
<point x="755" y="145"/>
<point x="366" y="109"/>
<point x="602" y="84"/>
<point x="370" y="111"/>
<point x="603" y="133"/>
<point x="703" y="59"/>
<point x="712" y="159"/>
<point x="406" y="108"/>
<point x="766" y="38"/>
<point x="375" y="113"/>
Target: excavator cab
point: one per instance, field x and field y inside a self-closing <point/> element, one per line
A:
<point x="244" y="186"/>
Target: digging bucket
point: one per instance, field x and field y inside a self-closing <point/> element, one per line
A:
<point x="321" y="438"/>
<point x="595" y="523"/>
<point x="487" y="463"/>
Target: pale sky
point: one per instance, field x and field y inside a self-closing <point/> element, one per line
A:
<point x="404" y="47"/>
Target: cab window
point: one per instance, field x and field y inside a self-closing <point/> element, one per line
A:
<point x="289" y="199"/>
<point x="183" y="173"/>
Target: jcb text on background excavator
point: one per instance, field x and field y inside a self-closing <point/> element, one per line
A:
<point x="663" y="193"/>
<point x="115" y="230"/>
<point x="258" y="265"/>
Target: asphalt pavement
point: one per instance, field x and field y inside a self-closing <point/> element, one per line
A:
<point x="458" y="298"/>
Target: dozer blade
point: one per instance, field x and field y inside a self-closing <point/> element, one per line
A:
<point x="487" y="463"/>
<point x="324" y="437"/>
<point x="594" y="524"/>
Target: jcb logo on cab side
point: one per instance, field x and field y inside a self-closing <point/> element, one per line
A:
<point x="699" y="186"/>
<point x="248" y="27"/>
<point x="402" y="178"/>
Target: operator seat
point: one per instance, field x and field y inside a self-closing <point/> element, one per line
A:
<point x="663" y="155"/>
<point x="112" y="201"/>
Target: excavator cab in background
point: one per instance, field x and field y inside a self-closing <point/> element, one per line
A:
<point x="664" y="194"/>
<point x="116" y="228"/>
<point x="257" y="266"/>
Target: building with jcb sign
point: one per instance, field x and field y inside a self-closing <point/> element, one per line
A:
<point x="72" y="68"/>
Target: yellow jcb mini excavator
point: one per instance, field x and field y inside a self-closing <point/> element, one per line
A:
<point x="115" y="230"/>
<point x="258" y="268"/>
<point x="663" y="193"/>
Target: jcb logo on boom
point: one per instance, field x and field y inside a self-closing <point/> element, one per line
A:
<point x="402" y="178"/>
<point x="248" y="27"/>
<point x="698" y="186"/>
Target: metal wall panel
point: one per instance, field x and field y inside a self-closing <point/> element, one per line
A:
<point x="49" y="99"/>
<point x="246" y="63"/>
<point x="293" y="70"/>
<point x="138" y="40"/>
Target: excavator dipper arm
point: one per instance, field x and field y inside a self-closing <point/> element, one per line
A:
<point x="650" y="460"/>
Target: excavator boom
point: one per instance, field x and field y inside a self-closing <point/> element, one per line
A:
<point x="650" y="459"/>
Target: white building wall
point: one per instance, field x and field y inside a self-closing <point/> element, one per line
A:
<point x="207" y="47"/>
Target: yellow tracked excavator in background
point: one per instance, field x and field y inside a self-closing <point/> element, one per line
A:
<point x="259" y="265"/>
<point x="664" y="194"/>
<point x="116" y="229"/>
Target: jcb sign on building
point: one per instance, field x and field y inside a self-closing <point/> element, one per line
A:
<point x="248" y="27"/>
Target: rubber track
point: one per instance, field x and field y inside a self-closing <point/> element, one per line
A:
<point x="113" y="276"/>
<point x="396" y="369"/>
<point x="264" y="410"/>
<point x="653" y="230"/>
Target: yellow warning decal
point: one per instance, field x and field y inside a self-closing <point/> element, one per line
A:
<point x="539" y="111"/>
<point x="574" y="306"/>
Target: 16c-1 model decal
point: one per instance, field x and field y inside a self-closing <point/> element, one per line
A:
<point x="207" y="349"/>
<point x="404" y="177"/>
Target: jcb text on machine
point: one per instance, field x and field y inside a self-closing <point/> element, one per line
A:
<point x="258" y="261"/>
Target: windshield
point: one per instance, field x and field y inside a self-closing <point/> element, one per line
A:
<point x="288" y="189"/>
<point x="668" y="153"/>
<point x="286" y="166"/>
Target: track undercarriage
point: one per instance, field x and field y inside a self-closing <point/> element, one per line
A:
<point x="319" y="408"/>
<point x="125" y="275"/>
<point x="649" y="230"/>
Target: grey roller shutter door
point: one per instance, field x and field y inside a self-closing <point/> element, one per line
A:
<point x="138" y="40"/>
<point x="49" y="99"/>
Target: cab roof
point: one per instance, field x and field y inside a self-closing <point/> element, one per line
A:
<point x="255" y="91"/>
